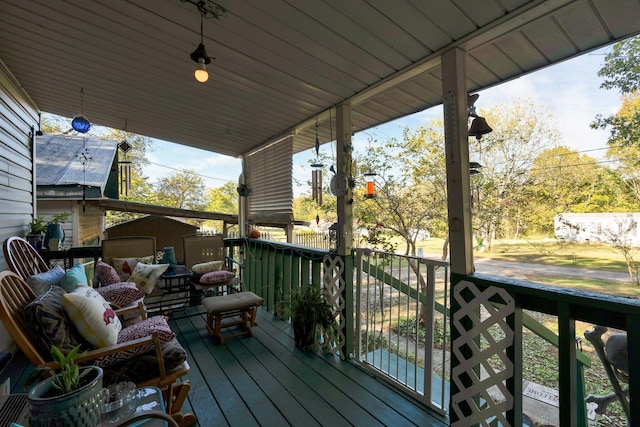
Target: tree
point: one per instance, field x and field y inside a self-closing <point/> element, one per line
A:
<point x="622" y="71"/>
<point x="521" y="131"/>
<point x="411" y="186"/>
<point x="223" y="199"/>
<point x="182" y="190"/>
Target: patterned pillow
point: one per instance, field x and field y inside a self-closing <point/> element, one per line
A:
<point x="147" y="327"/>
<point x="206" y="267"/>
<point x="106" y="274"/>
<point x="121" y="294"/>
<point x="125" y="266"/>
<point x="41" y="282"/>
<point x="216" y="277"/>
<point x="140" y="330"/>
<point x="92" y="316"/>
<point x="73" y="277"/>
<point x="145" y="276"/>
<point x="49" y="323"/>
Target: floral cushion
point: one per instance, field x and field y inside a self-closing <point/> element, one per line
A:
<point x="216" y="277"/>
<point x="50" y="325"/>
<point x="41" y="282"/>
<point x="121" y="294"/>
<point x="73" y="277"/>
<point x="145" y="276"/>
<point x="92" y="316"/>
<point x="106" y="274"/>
<point x="125" y="266"/>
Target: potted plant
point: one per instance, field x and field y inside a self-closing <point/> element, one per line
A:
<point x="312" y="318"/>
<point x="72" y="397"/>
<point x="55" y="231"/>
<point x="36" y="232"/>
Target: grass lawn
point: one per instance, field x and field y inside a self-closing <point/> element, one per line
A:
<point x="544" y="251"/>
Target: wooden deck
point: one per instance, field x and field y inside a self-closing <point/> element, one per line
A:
<point x="265" y="381"/>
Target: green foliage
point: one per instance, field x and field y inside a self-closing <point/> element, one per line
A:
<point x="311" y="316"/>
<point x="60" y="218"/>
<point x="68" y="378"/>
<point x="410" y="187"/>
<point x="621" y="71"/>
<point x="223" y="199"/>
<point x="37" y="226"/>
<point x="182" y="190"/>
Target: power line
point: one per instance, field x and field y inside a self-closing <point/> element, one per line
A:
<point x="192" y="172"/>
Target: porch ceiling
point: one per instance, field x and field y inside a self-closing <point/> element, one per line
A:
<point x="280" y="65"/>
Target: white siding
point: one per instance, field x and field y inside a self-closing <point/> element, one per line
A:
<point x="18" y="119"/>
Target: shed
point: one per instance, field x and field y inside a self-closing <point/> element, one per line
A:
<point x="167" y="231"/>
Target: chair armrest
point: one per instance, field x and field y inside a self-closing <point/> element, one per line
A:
<point x="140" y="307"/>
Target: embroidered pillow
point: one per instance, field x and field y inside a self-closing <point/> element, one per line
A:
<point x="92" y="316"/>
<point x="125" y="266"/>
<point x="145" y="276"/>
<point x="41" y="282"/>
<point x="206" y="267"/>
<point x="75" y="276"/>
<point x="106" y="274"/>
<point x="216" y="277"/>
<point x="121" y="294"/>
<point x="49" y="323"/>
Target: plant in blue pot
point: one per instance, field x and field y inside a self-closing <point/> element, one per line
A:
<point x="70" y="398"/>
<point x="55" y="231"/>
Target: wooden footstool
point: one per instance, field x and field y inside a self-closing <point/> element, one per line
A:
<point x="242" y="304"/>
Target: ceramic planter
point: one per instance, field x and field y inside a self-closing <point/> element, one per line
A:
<point x="54" y="231"/>
<point x="80" y="408"/>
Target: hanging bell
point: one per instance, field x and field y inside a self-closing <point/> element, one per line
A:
<point x="479" y="127"/>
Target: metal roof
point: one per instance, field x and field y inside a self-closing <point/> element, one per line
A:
<point x="280" y="66"/>
<point x="66" y="163"/>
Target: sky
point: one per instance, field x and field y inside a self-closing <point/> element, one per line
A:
<point x="569" y="90"/>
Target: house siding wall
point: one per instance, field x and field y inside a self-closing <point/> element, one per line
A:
<point x="18" y="119"/>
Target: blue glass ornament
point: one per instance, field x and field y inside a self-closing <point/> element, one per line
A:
<point x="80" y="124"/>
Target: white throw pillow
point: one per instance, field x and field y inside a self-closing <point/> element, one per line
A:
<point x="145" y="276"/>
<point x="92" y="316"/>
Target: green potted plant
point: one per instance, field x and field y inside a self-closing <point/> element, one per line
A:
<point x="71" y="397"/>
<point x="312" y="318"/>
<point x="54" y="229"/>
<point x="37" y="229"/>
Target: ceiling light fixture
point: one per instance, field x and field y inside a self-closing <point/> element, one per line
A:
<point x="80" y="123"/>
<point x="199" y="56"/>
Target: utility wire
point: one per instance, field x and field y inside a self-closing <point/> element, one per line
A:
<point x="191" y="172"/>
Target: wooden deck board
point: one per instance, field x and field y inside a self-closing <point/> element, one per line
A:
<point x="265" y="380"/>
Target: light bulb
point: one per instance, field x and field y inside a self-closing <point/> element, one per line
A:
<point x="201" y="73"/>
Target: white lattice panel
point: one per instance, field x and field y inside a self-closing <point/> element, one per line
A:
<point x="334" y="285"/>
<point x="474" y="321"/>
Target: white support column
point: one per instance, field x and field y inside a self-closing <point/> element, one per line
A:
<point x="454" y="89"/>
<point x="345" y="202"/>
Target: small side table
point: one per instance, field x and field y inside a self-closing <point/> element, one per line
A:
<point x="175" y="291"/>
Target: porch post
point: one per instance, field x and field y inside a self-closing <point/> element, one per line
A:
<point x="345" y="224"/>
<point x="456" y="140"/>
<point x="454" y="90"/>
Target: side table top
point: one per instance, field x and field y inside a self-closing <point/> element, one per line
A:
<point x="175" y="271"/>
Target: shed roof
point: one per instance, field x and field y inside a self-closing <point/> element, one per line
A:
<point x="65" y="164"/>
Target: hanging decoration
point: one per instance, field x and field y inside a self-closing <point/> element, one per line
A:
<point x="369" y="176"/>
<point x="80" y="123"/>
<point x="316" y="173"/>
<point x="125" y="166"/>
<point x="85" y="158"/>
